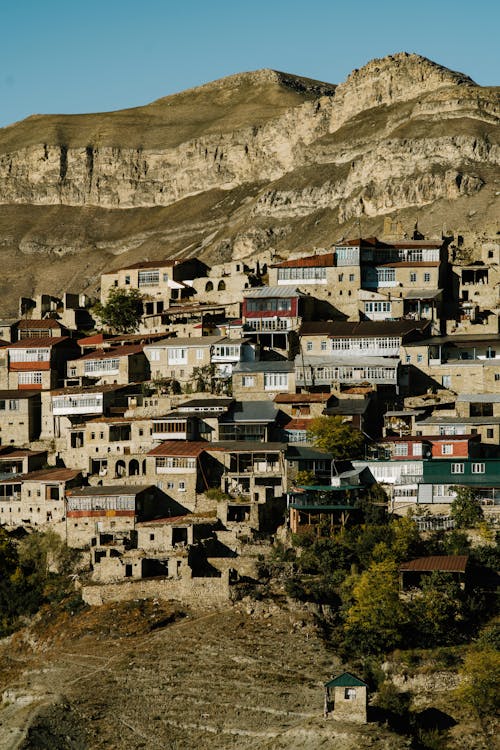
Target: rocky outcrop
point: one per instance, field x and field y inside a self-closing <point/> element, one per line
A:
<point x="257" y="160"/>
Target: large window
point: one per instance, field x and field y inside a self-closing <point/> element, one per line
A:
<point x="457" y="468"/>
<point x="478" y="468"/>
<point x="148" y="278"/>
<point x="377" y="307"/>
<point x="175" y="462"/>
<point x="302" y="274"/>
<point x="29" y="378"/>
<point x="101" y="365"/>
<point x="274" y="381"/>
<point x="29" y="355"/>
<point x="177" y="356"/>
<point x="269" y="305"/>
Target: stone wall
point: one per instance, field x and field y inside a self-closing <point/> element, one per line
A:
<point x="194" y="592"/>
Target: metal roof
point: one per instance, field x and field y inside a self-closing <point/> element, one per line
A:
<point x="333" y="360"/>
<point x="250" y="411"/>
<point x="346" y="679"/>
<point x="441" y="563"/>
<point x="278" y="365"/>
<point x="421" y="293"/>
<point x="273" y="291"/>
<point x="363" y="328"/>
<point x="185" y="448"/>
<point x="108" y="490"/>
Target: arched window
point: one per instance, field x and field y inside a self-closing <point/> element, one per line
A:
<point x="120" y="469"/>
<point x="222" y="286"/>
<point x="133" y="468"/>
<point x="209" y="286"/>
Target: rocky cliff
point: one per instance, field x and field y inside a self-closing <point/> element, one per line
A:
<point x="253" y="161"/>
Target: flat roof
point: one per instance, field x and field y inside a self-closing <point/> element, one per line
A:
<point x="462" y="338"/>
<point x="362" y="328"/>
<point x="247" y="446"/>
<point x="277" y="365"/>
<point x="12" y="394"/>
<point x="302" y="398"/>
<point x="184" y="448"/>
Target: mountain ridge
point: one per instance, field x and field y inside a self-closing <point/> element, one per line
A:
<point x="250" y="162"/>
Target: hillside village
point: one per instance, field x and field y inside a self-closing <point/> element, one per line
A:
<point x="173" y="451"/>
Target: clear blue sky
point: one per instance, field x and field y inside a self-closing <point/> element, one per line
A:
<point x="74" y="56"/>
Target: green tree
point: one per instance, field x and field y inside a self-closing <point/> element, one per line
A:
<point x="122" y="311"/>
<point x="436" y="611"/>
<point x="333" y="435"/>
<point x="376" y="616"/>
<point x="465" y="508"/>
<point x="480" y="677"/>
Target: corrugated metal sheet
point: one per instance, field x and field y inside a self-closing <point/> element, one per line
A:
<point x="263" y="292"/>
<point x="440" y="563"/>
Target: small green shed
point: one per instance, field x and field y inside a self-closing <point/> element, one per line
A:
<point x="346" y="698"/>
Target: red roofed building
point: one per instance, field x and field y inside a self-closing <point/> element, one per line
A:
<point x="39" y="363"/>
<point x="184" y="469"/>
<point x="37" y="498"/>
<point x="411" y="573"/>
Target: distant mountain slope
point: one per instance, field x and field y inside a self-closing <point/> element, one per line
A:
<point x="256" y="160"/>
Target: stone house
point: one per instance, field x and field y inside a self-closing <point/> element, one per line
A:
<point x="255" y="479"/>
<point x="331" y="372"/>
<point x="426" y="446"/>
<point x="97" y="516"/>
<point x="29" y="328"/>
<point x="111" y="447"/>
<point x="20" y="416"/>
<point x="20" y="461"/>
<point x="324" y="277"/>
<point x="248" y="420"/>
<point x="262" y="380"/>
<point x="462" y="363"/>
<point x="118" y="365"/>
<point x="475" y="413"/>
<point x="305" y="405"/>
<point x="183" y="469"/>
<point x="180" y="358"/>
<point x="39" y="364"/>
<point x="64" y="408"/>
<point x="36" y="498"/>
<point x="346" y="698"/>
<point x="159" y="281"/>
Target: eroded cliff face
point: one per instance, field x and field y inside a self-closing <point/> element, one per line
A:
<point x="262" y="159"/>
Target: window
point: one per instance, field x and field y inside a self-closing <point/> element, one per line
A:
<point x="479" y="409"/>
<point x="323" y="346"/>
<point x="127" y="279"/>
<point x="497" y="376"/>
<point x="401" y="449"/>
<point x="148" y="278"/>
<point x="341" y="277"/>
<point x="489" y="433"/>
<point x="209" y="287"/>
<point x="417" y="449"/>
<point x="413" y="277"/>
<point x="427" y="277"/>
<point x="182" y="486"/>
<point x="352" y="277"/>
<point x="446" y="381"/>
<point x="457" y="468"/>
<point x="375" y="307"/>
<point x="447" y="449"/>
<point x="247" y="381"/>
<point x="29" y="378"/>
<point x="408" y="359"/>
<point x="477" y="468"/>
<point x="420" y="358"/>
<point x="385" y="275"/>
<point x="101" y="365"/>
<point x="177" y="356"/>
<point x="199" y="354"/>
<point x="350" y="694"/>
<point x="309" y="346"/>
<point x="274" y="381"/>
<point x="154" y="355"/>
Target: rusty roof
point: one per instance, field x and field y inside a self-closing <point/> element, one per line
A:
<point x="363" y="328"/>
<point x="39" y="323"/>
<point x="46" y="475"/>
<point x="187" y="448"/>
<point x="309" y="261"/>
<point x="298" y="424"/>
<point x="163" y="263"/>
<point x="118" y="351"/>
<point x="40" y="341"/>
<point x="83" y="389"/>
<point x="439" y="563"/>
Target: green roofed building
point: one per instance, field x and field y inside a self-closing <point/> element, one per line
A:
<point x="346" y="698"/>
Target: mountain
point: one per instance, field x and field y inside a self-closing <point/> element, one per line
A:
<point x="253" y="161"/>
